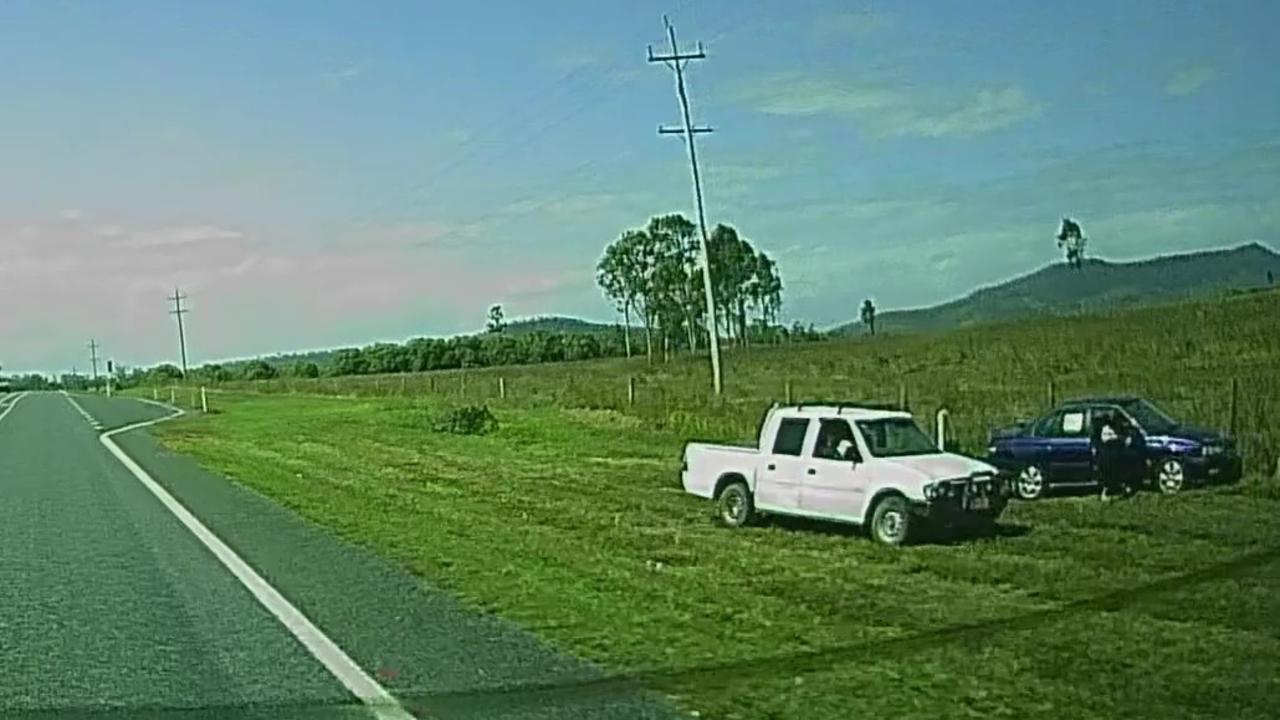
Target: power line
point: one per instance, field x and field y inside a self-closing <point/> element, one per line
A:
<point x="179" y="311"/>
<point x="677" y="60"/>
<point x="526" y="113"/>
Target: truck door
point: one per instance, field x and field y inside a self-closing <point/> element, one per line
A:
<point x="834" y="484"/>
<point x="778" y="483"/>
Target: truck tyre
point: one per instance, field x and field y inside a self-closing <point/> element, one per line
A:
<point x="891" y="521"/>
<point x="734" y="507"/>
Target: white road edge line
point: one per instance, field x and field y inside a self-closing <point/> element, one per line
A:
<point x="93" y="422"/>
<point x="12" y="404"/>
<point x="383" y="705"/>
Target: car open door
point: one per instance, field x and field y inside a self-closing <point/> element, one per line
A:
<point x="1070" y="458"/>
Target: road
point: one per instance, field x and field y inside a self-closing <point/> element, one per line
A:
<point x="112" y="606"/>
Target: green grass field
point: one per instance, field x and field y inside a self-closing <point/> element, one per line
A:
<point x="570" y="521"/>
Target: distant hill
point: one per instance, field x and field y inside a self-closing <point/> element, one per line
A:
<point x="555" y="324"/>
<point x="1100" y="285"/>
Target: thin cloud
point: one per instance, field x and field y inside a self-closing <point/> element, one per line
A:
<point x="885" y="110"/>
<point x="1188" y="81"/>
<point x="171" y="236"/>
<point x="571" y="205"/>
<point x="849" y="25"/>
<point x="342" y="76"/>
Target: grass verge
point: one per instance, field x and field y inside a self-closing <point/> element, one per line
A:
<point x="571" y="522"/>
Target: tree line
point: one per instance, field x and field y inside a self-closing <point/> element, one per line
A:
<point x="429" y="354"/>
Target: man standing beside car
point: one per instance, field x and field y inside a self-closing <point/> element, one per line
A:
<point x="1133" y="465"/>
<point x="1107" y="452"/>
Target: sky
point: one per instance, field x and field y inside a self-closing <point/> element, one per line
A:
<point x="318" y="175"/>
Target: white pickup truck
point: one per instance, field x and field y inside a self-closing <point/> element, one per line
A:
<point x="863" y="465"/>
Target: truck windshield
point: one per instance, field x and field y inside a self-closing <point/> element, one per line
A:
<point x="895" y="437"/>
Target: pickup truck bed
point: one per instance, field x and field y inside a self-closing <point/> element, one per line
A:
<point x="705" y="463"/>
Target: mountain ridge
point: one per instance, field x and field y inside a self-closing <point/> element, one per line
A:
<point x="1060" y="290"/>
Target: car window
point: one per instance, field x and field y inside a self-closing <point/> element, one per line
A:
<point x="830" y="434"/>
<point x="1071" y="423"/>
<point x="1044" y="427"/>
<point x="790" y="437"/>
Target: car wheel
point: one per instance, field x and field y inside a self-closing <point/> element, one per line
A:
<point x="1170" y="477"/>
<point x="734" y="507"/>
<point x="891" y="521"/>
<point x="1030" y="484"/>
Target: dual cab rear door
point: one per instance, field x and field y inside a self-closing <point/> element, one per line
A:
<point x="792" y="480"/>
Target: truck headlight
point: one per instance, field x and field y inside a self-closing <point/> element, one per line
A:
<point x="937" y="490"/>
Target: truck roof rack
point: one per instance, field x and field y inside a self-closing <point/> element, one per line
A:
<point x="841" y="405"/>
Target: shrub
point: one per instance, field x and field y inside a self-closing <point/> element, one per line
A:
<point x="467" y="420"/>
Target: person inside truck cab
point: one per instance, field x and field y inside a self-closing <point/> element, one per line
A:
<point x="835" y="441"/>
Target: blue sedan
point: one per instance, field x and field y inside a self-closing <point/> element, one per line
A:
<point x="1055" y="450"/>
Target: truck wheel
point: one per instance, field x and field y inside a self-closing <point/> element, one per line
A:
<point x="891" y="521"/>
<point x="1170" y="477"/>
<point x="1030" y="483"/>
<point x="734" y="507"/>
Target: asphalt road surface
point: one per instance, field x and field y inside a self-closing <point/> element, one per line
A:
<point x="111" y="605"/>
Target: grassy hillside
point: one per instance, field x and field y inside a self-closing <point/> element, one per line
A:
<point x="1183" y="356"/>
<point x="1100" y="285"/>
<point x="1154" y="608"/>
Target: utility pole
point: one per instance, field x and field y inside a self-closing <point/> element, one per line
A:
<point x="179" y="311"/>
<point x="93" y="358"/>
<point x="676" y="60"/>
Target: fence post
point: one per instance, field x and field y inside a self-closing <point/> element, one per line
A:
<point x="787" y="392"/>
<point x="1235" y="400"/>
<point x="431" y="383"/>
<point x="902" y="395"/>
<point x="402" y="379"/>
<point x="155" y="393"/>
<point x="204" y="400"/>
<point x="942" y="429"/>
<point x="502" y="387"/>
<point x="631" y="390"/>
<point x="193" y="398"/>
<point x="173" y="396"/>
<point x="1053" y="394"/>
